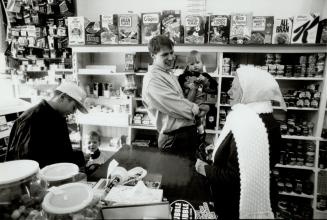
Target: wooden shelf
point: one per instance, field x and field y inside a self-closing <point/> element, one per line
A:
<point x="302" y="195"/>
<point x="227" y="48"/>
<point x="296" y="108"/>
<point x="145" y="127"/>
<point x="294" y="137"/>
<point x="300" y="78"/>
<point x="294" y="167"/>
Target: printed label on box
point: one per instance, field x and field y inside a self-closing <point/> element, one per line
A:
<point x="109" y="29"/>
<point x="150" y="26"/>
<point x="282" y="31"/>
<point x="171" y="25"/>
<point x="194" y="29"/>
<point x="305" y="29"/>
<point x="219" y="29"/>
<point x="76" y="30"/>
<point x="240" y="31"/>
<point x="128" y="29"/>
<point x="262" y="28"/>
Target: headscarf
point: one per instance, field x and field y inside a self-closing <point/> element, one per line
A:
<point x="259" y="86"/>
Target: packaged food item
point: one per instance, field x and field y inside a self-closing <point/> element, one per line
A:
<point x="128" y="29"/>
<point x="109" y="29"/>
<point x="322" y="32"/>
<point x="240" y="29"/>
<point x="21" y="193"/>
<point x="305" y="28"/>
<point x="71" y="201"/>
<point x="58" y="174"/>
<point x="262" y="29"/>
<point x="219" y="29"/>
<point x="150" y="26"/>
<point x="171" y="25"/>
<point x="194" y="29"/>
<point x="92" y="33"/>
<point x="282" y="30"/>
<point x="76" y="30"/>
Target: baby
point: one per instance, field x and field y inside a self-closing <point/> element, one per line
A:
<point x="196" y="84"/>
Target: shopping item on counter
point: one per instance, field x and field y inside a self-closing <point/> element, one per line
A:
<point x="262" y="29"/>
<point x="92" y="33"/>
<point x="76" y="30"/>
<point x="171" y="25"/>
<point x="138" y="194"/>
<point x="150" y="26"/>
<point x="181" y="209"/>
<point x="240" y="28"/>
<point x="194" y="30"/>
<point x="219" y="29"/>
<point x="305" y="29"/>
<point x="128" y="29"/>
<point x="282" y="30"/>
<point x="109" y="29"/>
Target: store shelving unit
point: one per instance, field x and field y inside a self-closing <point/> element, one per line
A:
<point x="80" y="59"/>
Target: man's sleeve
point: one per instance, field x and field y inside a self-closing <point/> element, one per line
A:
<point x="168" y="101"/>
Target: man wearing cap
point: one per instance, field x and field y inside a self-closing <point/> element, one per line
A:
<point x="41" y="132"/>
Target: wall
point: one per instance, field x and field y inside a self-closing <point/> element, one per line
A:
<point x="92" y="9"/>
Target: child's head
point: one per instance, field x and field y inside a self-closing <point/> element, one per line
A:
<point x="94" y="141"/>
<point x="194" y="61"/>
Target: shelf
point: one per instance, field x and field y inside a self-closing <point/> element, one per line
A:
<point x="294" y="167"/>
<point x="103" y="119"/>
<point x="302" y="195"/>
<point x="309" y="138"/>
<point x="300" y="78"/>
<point x="296" y="109"/>
<point x="145" y="127"/>
<point x="211" y="131"/>
<point x="102" y="72"/>
<point x="4" y="133"/>
<point x="325" y="170"/>
<point x="227" y="48"/>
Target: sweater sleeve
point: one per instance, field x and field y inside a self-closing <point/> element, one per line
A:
<point x="168" y="101"/>
<point x="225" y="170"/>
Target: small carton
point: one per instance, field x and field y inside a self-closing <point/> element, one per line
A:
<point x="92" y="33"/>
<point x="171" y="25"/>
<point x="282" y="30"/>
<point x="109" y="29"/>
<point x="128" y="29"/>
<point x="150" y="26"/>
<point x="240" y="28"/>
<point x="76" y="30"/>
<point x="262" y="29"/>
<point x="305" y="29"/>
<point x="219" y="29"/>
<point x="194" y="30"/>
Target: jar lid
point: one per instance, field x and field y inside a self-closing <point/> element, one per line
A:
<point x="67" y="198"/>
<point x="59" y="171"/>
<point x="16" y="170"/>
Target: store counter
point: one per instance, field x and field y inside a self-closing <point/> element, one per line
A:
<point x="179" y="181"/>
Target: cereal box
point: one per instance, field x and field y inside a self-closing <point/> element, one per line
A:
<point x="171" y="25"/>
<point x="305" y="29"/>
<point x="282" y="30"/>
<point x="194" y="30"/>
<point x="219" y="29"/>
<point x="150" y="26"/>
<point x="322" y="32"/>
<point x="128" y="29"/>
<point x="240" y="28"/>
<point x="262" y="29"/>
<point x="109" y="29"/>
<point x="92" y="33"/>
<point x="76" y="30"/>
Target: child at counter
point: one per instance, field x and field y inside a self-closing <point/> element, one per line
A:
<point x="96" y="157"/>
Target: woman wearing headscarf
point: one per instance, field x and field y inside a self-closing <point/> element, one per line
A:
<point x="247" y="149"/>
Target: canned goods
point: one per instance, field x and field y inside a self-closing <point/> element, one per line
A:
<point x="269" y="58"/>
<point x="264" y="68"/>
<point x="321" y="57"/>
<point x="312" y="59"/>
<point x="226" y="60"/>
<point x="278" y="58"/>
<point x="226" y="69"/>
<point x="322" y="158"/>
<point x="288" y="185"/>
<point x="309" y="159"/>
<point x="292" y="158"/>
<point x="303" y="60"/>
<point x="298" y="186"/>
<point x="308" y="187"/>
<point x="320" y="69"/>
<point x="322" y="202"/>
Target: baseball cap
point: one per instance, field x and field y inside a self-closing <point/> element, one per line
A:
<point x="75" y="92"/>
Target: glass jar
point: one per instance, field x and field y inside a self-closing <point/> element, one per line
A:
<point x="60" y="173"/>
<point x="21" y="193"/>
<point x="71" y="201"/>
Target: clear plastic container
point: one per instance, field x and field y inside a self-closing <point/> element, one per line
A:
<point x="60" y="173"/>
<point x="21" y="193"/>
<point x="71" y="201"/>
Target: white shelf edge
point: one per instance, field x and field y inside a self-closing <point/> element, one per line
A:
<point x="300" y="78"/>
<point x="105" y="74"/>
<point x="4" y="133"/>
<point x="321" y="212"/>
<point x="302" y="195"/>
<point x="309" y="138"/>
<point x="145" y="127"/>
<point x="211" y="131"/>
<point x="296" y="109"/>
<point x="294" y="167"/>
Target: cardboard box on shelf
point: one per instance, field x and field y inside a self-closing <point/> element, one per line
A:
<point x="219" y="29"/>
<point x="305" y="29"/>
<point x="128" y="29"/>
<point x="171" y="25"/>
<point x="262" y="29"/>
<point x="109" y="29"/>
<point x="150" y="26"/>
<point x="76" y="30"/>
<point x="282" y="30"/>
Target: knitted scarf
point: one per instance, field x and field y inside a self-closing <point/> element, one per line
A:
<point x="251" y="139"/>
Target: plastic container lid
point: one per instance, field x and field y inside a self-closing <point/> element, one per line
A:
<point x="16" y="170"/>
<point x="67" y="198"/>
<point x="59" y="171"/>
